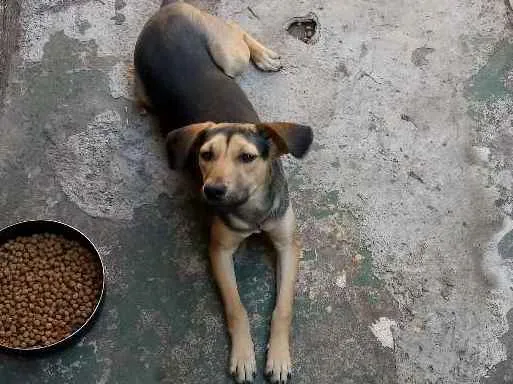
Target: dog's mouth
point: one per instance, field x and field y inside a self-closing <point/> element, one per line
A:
<point x="225" y="202"/>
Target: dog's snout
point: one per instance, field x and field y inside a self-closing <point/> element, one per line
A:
<point x="214" y="191"/>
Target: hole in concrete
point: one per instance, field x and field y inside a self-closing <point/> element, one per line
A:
<point x="509" y="12"/>
<point x="304" y="28"/>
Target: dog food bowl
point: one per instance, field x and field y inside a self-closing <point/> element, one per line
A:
<point x="52" y="285"/>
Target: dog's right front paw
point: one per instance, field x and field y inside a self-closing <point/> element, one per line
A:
<point x="267" y="60"/>
<point x="242" y="361"/>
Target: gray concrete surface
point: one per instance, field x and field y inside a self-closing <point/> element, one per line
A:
<point x="405" y="203"/>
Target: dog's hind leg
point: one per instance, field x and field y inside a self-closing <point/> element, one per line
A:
<point x="232" y="48"/>
<point x="228" y="50"/>
<point x="263" y="57"/>
<point x="141" y="99"/>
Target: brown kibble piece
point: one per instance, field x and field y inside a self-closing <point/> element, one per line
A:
<point x="48" y="287"/>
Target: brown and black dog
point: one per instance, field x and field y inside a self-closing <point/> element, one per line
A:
<point x="185" y="61"/>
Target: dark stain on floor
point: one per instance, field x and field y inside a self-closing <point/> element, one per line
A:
<point x="9" y="35"/>
<point x="419" y="56"/>
<point x="502" y="373"/>
<point x="60" y="5"/>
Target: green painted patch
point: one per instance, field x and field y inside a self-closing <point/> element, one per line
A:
<point x="372" y="298"/>
<point x="322" y="213"/>
<point x="489" y="82"/>
<point x="332" y="197"/>
<point x="365" y="276"/>
<point x="309" y="254"/>
<point x="506" y="246"/>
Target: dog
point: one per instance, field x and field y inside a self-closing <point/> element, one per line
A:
<point x="185" y="61"/>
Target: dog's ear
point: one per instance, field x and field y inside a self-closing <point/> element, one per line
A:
<point x="180" y="142"/>
<point x="288" y="137"/>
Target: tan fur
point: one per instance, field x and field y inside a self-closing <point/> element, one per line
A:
<point x="226" y="167"/>
<point x="142" y="101"/>
<point x="224" y="242"/>
<point x="232" y="48"/>
<point x="282" y="234"/>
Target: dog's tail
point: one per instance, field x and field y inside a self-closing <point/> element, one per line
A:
<point x="167" y="2"/>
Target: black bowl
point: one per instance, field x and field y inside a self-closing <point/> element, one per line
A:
<point x="28" y="228"/>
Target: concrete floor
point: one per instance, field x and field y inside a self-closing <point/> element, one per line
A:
<point x="405" y="203"/>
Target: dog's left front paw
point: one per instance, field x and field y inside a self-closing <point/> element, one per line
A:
<point x="279" y="365"/>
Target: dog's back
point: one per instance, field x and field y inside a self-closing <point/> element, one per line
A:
<point x="181" y="81"/>
<point x="185" y="61"/>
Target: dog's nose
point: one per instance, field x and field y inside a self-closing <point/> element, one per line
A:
<point x="214" y="191"/>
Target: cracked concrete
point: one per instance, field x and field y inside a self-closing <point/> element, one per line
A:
<point x="405" y="202"/>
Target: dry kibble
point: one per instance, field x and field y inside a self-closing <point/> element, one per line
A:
<point x="48" y="287"/>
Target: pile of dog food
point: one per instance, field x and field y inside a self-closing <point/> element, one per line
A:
<point x="49" y="286"/>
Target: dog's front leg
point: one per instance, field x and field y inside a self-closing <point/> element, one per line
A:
<point x="223" y="244"/>
<point x="282" y="234"/>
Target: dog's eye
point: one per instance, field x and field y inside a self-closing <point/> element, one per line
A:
<point x="247" y="157"/>
<point x="207" y="155"/>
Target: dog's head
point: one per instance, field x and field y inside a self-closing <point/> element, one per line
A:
<point x="235" y="159"/>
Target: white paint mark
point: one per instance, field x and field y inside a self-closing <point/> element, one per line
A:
<point x="104" y="250"/>
<point x="92" y="344"/>
<point x="341" y="280"/>
<point x="119" y="84"/>
<point x="34" y="172"/>
<point x="492" y="263"/>
<point x="104" y="379"/>
<point x="382" y="329"/>
<point x="505" y="179"/>
<point x="481" y="154"/>
<point x="357" y="259"/>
